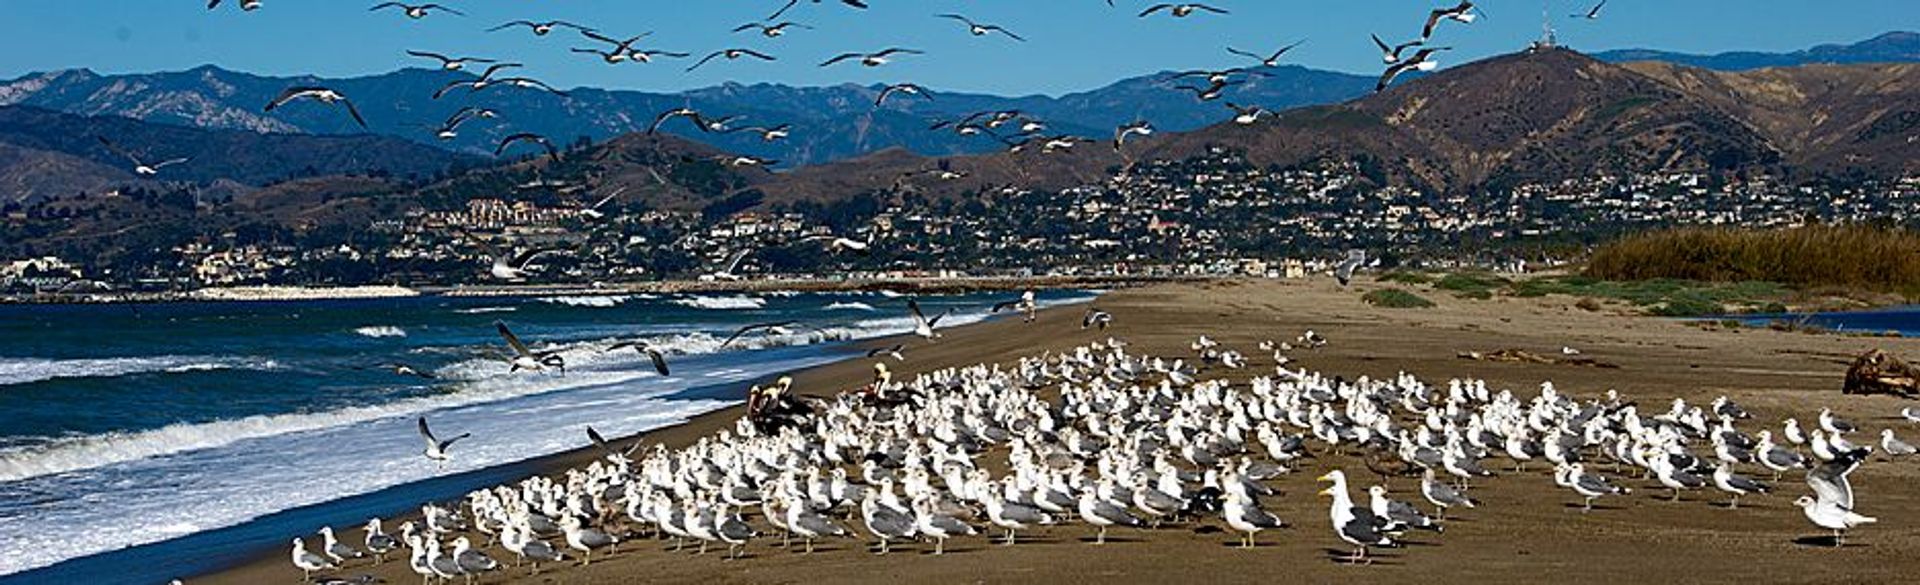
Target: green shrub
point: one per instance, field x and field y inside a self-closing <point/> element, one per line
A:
<point x="1394" y="298"/>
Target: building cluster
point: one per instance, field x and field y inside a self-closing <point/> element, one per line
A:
<point x="1213" y="214"/>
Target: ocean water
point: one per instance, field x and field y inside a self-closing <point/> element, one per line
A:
<point x="172" y="438"/>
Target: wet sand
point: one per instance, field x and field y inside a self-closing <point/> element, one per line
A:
<point x="1526" y="529"/>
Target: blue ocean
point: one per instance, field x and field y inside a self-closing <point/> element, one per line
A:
<point x="1904" y="319"/>
<point x="139" y="443"/>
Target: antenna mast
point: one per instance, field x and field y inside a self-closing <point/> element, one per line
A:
<point x="1547" y="40"/>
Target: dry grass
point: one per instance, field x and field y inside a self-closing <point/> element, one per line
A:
<point x="1881" y="260"/>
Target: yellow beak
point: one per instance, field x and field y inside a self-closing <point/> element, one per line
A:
<point x="1327" y="477"/>
<point x="1325" y="492"/>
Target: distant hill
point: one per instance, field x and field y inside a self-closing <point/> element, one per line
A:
<point x="1893" y="47"/>
<point x="46" y="153"/>
<point x="829" y="123"/>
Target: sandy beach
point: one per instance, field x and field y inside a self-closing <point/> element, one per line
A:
<point x="1525" y="530"/>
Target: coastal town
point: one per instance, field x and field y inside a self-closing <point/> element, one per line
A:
<point x="1210" y="215"/>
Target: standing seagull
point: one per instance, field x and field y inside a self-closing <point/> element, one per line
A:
<point x="416" y="11"/>
<point x="1269" y="60"/>
<point x="320" y="94"/>
<point x="1421" y="61"/>
<point x="139" y="168"/>
<point x="308" y="562"/>
<point x="1355" y="524"/>
<point x="1736" y="484"/>
<point x="1180" y="10"/>
<point x="1461" y="13"/>
<point x="981" y="30"/>
<point x="436" y="448"/>
<point x="872" y="59"/>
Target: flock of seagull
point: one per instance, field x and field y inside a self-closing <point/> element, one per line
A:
<point x="1109" y="438"/>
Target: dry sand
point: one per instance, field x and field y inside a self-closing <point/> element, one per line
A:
<point x="1526" y="530"/>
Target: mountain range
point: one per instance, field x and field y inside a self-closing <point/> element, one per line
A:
<point x="828" y="123"/>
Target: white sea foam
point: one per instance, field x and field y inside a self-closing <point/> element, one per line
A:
<point x="848" y="306"/>
<point x="597" y="302"/>
<point x="381" y="331"/>
<point x="30" y="370"/>
<point x="733" y="303"/>
<point x="480" y="310"/>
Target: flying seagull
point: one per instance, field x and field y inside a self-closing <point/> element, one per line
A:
<point x="1247" y="115"/>
<point x="540" y="29"/>
<point x="400" y="369"/>
<point x="770" y="30"/>
<point x="980" y="30"/>
<point x="1344" y="271"/>
<point x="139" y="168"/>
<point x="769" y="327"/>
<point x="1210" y="92"/>
<point x="1096" y="317"/>
<point x="1420" y="61"/>
<point x="1180" y="10"/>
<point x="524" y="83"/>
<point x="1462" y="13"/>
<point x="906" y="88"/>
<point x="893" y="352"/>
<point x="1025" y="304"/>
<point x="245" y="5"/>
<point x="837" y="243"/>
<point x="436" y="448"/>
<point x="1391" y="54"/>
<point x="449" y="63"/>
<point x="485" y="79"/>
<point x="450" y="129"/>
<point x="525" y="358"/>
<point x="506" y="267"/>
<point x="527" y="137"/>
<point x="1593" y="14"/>
<point x="731" y="54"/>
<point x="415" y="11"/>
<point x="659" y="360"/>
<point x="743" y="160"/>
<point x="872" y="59"/>
<point x="766" y="134"/>
<point x="922" y="326"/>
<point x="320" y="94"/>
<point x="688" y="113"/>
<point x="604" y="444"/>
<point x="1140" y="128"/>
<point x="861" y="4"/>
<point x="1269" y="60"/>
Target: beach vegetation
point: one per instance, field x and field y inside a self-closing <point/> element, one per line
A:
<point x="1394" y="298"/>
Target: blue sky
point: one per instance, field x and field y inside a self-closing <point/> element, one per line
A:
<point x="1072" y="45"/>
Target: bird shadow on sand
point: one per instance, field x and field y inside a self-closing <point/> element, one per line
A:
<point x="1373" y="558"/>
<point x="1596" y="507"/>
<point x="1825" y="541"/>
<point x="1111" y="539"/>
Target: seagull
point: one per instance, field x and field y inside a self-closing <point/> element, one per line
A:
<point x="1391" y="55"/>
<point x="139" y="168"/>
<point x="507" y="267"/>
<point x="1829" y="480"/>
<point x="1399" y="512"/>
<point x="894" y="352"/>
<point x="437" y="449"/>
<point x="906" y="88"/>
<point x="540" y="29"/>
<point x="1209" y="93"/>
<point x="1590" y="486"/>
<point x="922" y="326"/>
<point x="1833" y="517"/>
<point x="1269" y="60"/>
<point x="731" y="54"/>
<point x="524" y="358"/>
<point x="320" y="94"/>
<point x="245" y="5"/>
<point x="615" y="56"/>
<point x="1180" y="10"/>
<point x="884" y="521"/>
<point x="1244" y="515"/>
<point x="743" y="160"/>
<point x="659" y="360"/>
<point x="861" y="4"/>
<point x="872" y="59"/>
<point x="1736" y="484"/>
<point x="449" y="63"/>
<point x="378" y="541"/>
<point x="770" y="327"/>
<point x="1442" y="496"/>
<point x="1096" y="317"/>
<point x="1120" y="134"/>
<point x="1025" y="304"/>
<point x="485" y="79"/>
<point x="416" y="11"/>
<point x="1355" y="524"/>
<point x="838" y="243"/>
<point x="770" y="30"/>
<point x="1462" y="13"/>
<point x="689" y="113"/>
<point x="523" y="83"/>
<point x="1593" y="14"/>
<point x="980" y="30"/>
<point x="1893" y="446"/>
<point x="1247" y="115"/>
<point x="472" y="562"/>
<point x="308" y="562"/>
<point x="1102" y="513"/>
<point x="1833" y="424"/>
<point x="1344" y="271"/>
<point x="612" y="454"/>
<point x="527" y="137"/>
<point x="585" y="539"/>
<point x="1421" y="61"/>
<point x="331" y="546"/>
<point x="622" y="49"/>
<point x="1911" y="414"/>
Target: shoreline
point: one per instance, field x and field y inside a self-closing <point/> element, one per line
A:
<point x="1521" y="532"/>
<point x="943" y="285"/>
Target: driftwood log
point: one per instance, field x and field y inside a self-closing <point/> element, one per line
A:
<point x="1877" y="372"/>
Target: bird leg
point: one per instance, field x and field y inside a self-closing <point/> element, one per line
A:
<point x="1676" y="494"/>
<point x="940" y="546"/>
<point x="1101" y="538"/>
<point x="1735" y="503"/>
<point x="1589" y="507"/>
